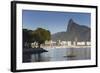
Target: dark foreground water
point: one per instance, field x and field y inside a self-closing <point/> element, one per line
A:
<point x="62" y="54"/>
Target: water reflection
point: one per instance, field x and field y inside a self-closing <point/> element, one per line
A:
<point x="62" y="54"/>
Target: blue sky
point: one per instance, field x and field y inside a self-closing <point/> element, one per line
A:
<point x="53" y="21"/>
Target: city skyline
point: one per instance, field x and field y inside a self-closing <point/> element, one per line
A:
<point x="53" y="21"/>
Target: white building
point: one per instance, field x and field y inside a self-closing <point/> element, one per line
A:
<point x="81" y="43"/>
<point x="69" y="43"/>
<point x="88" y="43"/>
<point x="63" y="43"/>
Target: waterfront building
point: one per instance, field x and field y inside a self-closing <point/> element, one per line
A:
<point x="88" y="43"/>
<point x="81" y="43"/>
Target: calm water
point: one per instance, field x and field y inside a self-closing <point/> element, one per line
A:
<point x="63" y="54"/>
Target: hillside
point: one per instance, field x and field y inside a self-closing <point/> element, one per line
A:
<point x="73" y="31"/>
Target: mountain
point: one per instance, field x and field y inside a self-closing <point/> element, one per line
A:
<point x="74" y="31"/>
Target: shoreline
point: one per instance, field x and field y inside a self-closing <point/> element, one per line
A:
<point x="49" y="47"/>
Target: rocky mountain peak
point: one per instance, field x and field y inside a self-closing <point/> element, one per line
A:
<point x="71" y="21"/>
<point x="74" y="30"/>
<point x="72" y="26"/>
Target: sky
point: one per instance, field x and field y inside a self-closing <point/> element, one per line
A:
<point x="53" y="21"/>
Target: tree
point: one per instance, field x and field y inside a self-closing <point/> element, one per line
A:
<point x="40" y="35"/>
<point x="27" y="37"/>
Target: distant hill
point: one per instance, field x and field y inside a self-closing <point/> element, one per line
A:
<point x="74" y="30"/>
